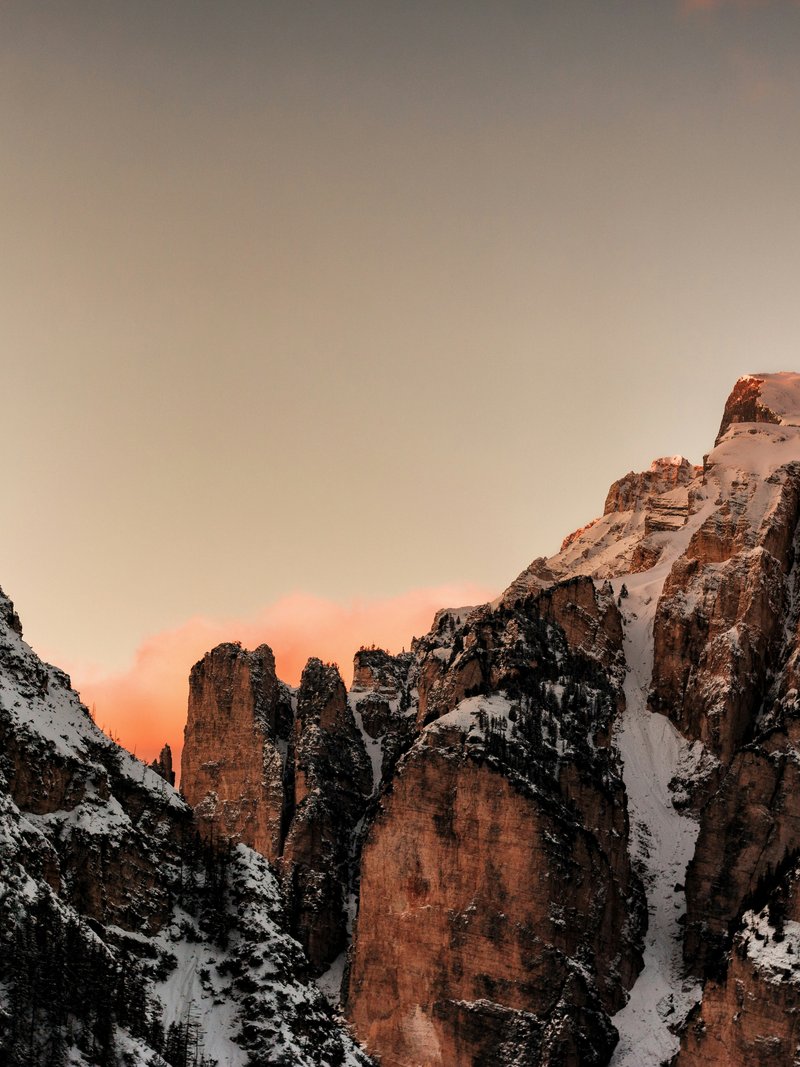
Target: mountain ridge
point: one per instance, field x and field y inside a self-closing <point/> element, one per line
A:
<point x="561" y="830"/>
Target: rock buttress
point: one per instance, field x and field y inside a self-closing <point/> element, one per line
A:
<point x="235" y="747"/>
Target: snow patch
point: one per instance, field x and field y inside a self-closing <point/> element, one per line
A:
<point x="653" y="752"/>
<point x="776" y="952"/>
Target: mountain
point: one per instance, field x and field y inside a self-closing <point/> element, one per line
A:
<point x="563" y="830"/>
<point x="123" y="938"/>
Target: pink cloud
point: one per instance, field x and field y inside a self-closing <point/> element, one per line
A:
<point x="145" y="705"/>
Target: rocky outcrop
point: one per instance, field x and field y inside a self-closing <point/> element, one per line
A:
<point x="752" y="822"/>
<point x="287" y="775"/>
<point x="636" y="490"/>
<point x="480" y="653"/>
<point x="332" y="783"/>
<point x="236" y="740"/>
<point x="382" y="684"/>
<point x="382" y="697"/>
<point x="481" y="887"/>
<point x="163" y="765"/>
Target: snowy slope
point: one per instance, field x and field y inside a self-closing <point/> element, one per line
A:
<point x="663" y="842"/>
<point x="99" y="853"/>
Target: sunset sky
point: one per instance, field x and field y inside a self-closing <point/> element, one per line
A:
<point x="318" y="314"/>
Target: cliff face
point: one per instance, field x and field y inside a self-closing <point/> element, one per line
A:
<point x="719" y="625"/>
<point x="122" y="937"/>
<point x="746" y="404"/>
<point x="234" y="759"/>
<point x="637" y="491"/>
<point x="286" y="774"/>
<point x="472" y="917"/>
<point x="492" y="923"/>
<point x="708" y="558"/>
<point x="750" y="1014"/>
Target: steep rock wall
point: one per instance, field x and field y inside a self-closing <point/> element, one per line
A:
<point x="235" y="747"/>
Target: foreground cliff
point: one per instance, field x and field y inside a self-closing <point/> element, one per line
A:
<point x="499" y="918"/>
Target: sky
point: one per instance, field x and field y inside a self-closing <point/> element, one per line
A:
<point x="316" y="315"/>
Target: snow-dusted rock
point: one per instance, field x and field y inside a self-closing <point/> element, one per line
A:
<point x="122" y="936"/>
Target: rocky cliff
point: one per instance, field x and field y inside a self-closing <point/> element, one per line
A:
<point x="123" y="939"/>
<point x="564" y="829"/>
<point x="499" y="918"/>
<point x="285" y="773"/>
<point x="750" y="1012"/>
<point x="237" y="736"/>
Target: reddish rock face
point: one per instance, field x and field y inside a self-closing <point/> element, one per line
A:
<point x="235" y="743"/>
<point x="744" y="1021"/>
<point x="750" y="1016"/>
<point x="476" y="898"/>
<point x="480" y="886"/>
<point x="291" y="787"/>
<point x="746" y="830"/>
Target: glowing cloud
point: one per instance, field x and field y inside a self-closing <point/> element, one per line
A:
<point x="145" y="705"/>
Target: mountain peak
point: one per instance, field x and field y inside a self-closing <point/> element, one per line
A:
<point x="770" y="398"/>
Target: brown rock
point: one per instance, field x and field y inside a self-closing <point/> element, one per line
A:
<point x="480" y="885"/>
<point x="235" y="744"/>
<point x="750" y="1015"/>
<point x="475" y="899"/>
<point x="746" y="830"/>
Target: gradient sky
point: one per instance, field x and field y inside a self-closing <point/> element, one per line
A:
<point x="348" y="301"/>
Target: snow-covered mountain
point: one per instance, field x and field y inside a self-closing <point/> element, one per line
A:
<point x="563" y="830"/>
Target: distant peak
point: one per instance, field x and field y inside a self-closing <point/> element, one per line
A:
<point x="765" y="398"/>
<point x="665" y="462"/>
